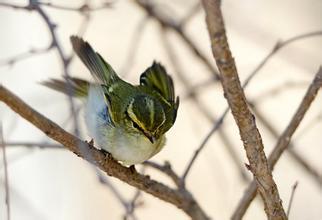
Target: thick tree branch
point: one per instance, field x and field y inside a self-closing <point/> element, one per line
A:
<point x="182" y="199"/>
<point x="283" y="142"/>
<point x="249" y="133"/>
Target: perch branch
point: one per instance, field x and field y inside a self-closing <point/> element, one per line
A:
<point x="181" y="199"/>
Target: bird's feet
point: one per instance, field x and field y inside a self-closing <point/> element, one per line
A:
<point x="132" y="169"/>
<point x="91" y="142"/>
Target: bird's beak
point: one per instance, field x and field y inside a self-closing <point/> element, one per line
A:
<point x="152" y="139"/>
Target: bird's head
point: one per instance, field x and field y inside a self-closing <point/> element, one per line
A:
<point x="147" y="116"/>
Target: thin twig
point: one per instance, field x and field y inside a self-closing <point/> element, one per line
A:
<point x="203" y="144"/>
<point x="104" y="180"/>
<point x="165" y="168"/>
<point x="182" y="199"/>
<point x="272" y="92"/>
<point x="83" y="8"/>
<point x="170" y="23"/>
<point x="25" y="55"/>
<point x="278" y="46"/>
<point x="282" y="143"/>
<point x="310" y="125"/>
<point x="244" y="119"/>
<point x="6" y="178"/>
<point x="291" y="199"/>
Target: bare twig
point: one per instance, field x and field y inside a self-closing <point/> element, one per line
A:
<point x="133" y="204"/>
<point x="173" y="25"/>
<point x="165" y="168"/>
<point x="310" y="125"/>
<point x="182" y="199"/>
<point x="120" y="198"/>
<point x="25" y="55"/>
<point x="5" y="166"/>
<point x="203" y="144"/>
<point x="81" y="9"/>
<point x="283" y="142"/>
<point x="279" y="45"/>
<point x="244" y="119"/>
<point x="284" y="87"/>
<point x="291" y="198"/>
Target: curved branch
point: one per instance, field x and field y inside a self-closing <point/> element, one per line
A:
<point x="182" y="199"/>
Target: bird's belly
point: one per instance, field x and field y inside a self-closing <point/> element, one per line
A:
<point x="128" y="148"/>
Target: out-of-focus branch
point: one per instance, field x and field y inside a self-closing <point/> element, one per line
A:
<point x="165" y="168"/>
<point x="291" y="148"/>
<point x="194" y="10"/>
<point x="291" y="198"/>
<point x="180" y="198"/>
<point x="282" y="144"/>
<point x="25" y="55"/>
<point x="6" y="178"/>
<point x="174" y="25"/>
<point x="134" y="44"/>
<point x="81" y="9"/>
<point x="244" y="119"/>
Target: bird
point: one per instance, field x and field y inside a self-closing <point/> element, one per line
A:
<point x="127" y="121"/>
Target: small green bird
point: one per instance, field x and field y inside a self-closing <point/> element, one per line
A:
<point x="128" y="121"/>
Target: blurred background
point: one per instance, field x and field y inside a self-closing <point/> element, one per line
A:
<point x="50" y="183"/>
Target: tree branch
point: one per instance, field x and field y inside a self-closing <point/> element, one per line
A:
<point x="244" y="119"/>
<point x="182" y="199"/>
<point x="283" y="142"/>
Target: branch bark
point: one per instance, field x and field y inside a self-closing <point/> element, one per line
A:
<point x="283" y="142"/>
<point x="180" y="198"/>
<point x="245" y="121"/>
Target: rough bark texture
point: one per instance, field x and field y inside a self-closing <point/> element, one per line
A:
<point x="245" y="121"/>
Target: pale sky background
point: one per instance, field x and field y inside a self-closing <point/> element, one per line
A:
<point x="57" y="185"/>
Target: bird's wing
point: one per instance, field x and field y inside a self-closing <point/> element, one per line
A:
<point x="100" y="69"/>
<point x="157" y="78"/>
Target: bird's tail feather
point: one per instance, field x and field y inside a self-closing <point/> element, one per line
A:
<point x="76" y="87"/>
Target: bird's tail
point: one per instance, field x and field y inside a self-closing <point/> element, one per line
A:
<point x="98" y="67"/>
<point x="76" y="87"/>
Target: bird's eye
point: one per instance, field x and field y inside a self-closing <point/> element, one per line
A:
<point x="136" y="126"/>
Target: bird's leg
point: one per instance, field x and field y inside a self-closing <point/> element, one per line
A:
<point x="132" y="169"/>
<point x="106" y="153"/>
<point x="91" y="142"/>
